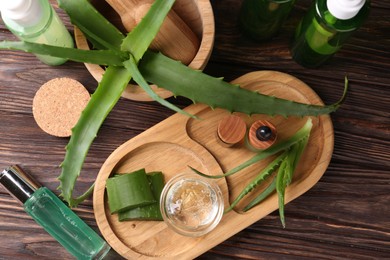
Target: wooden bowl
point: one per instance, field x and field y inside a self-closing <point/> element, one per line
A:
<point x="198" y="15"/>
<point x="179" y="141"/>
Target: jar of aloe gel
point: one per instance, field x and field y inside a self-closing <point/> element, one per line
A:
<point x="191" y="205"/>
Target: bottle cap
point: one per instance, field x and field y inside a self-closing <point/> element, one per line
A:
<point x="24" y="12"/>
<point x="231" y="130"/>
<point x="18" y="183"/>
<point x="344" y="9"/>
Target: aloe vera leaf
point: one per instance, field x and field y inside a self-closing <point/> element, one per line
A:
<point x="296" y="152"/>
<point x="292" y="160"/>
<point x="298" y="136"/>
<point x="138" y="41"/>
<point x="109" y="90"/>
<point x="264" y="194"/>
<point x="128" y="191"/>
<point x="284" y="177"/>
<point x="199" y="87"/>
<point x="300" y="149"/>
<point x="264" y="174"/>
<point x="84" y="15"/>
<point x="281" y="188"/>
<point x="148" y="212"/>
<point x="101" y="57"/>
<point x="131" y="66"/>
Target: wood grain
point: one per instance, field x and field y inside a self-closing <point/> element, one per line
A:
<point x="344" y="216"/>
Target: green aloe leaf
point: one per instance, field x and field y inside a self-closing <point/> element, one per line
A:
<point x="137" y="41"/>
<point x="202" y="88"/>
<point x="281" y="188"/>
<point x="131" y="66"/>
<point x="101" y="57"/>
<point x="109" y="90"/>
<point x="263" y="195"/>
<point x="264" y="174"/>
<point x="94" y="25"/>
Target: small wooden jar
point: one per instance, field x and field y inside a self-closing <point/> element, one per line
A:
<point x="231" y="130"/>
<point x="261" y="135"/>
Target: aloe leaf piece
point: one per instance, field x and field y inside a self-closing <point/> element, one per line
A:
<point x="281" y="188"/>
<point x="287" y="163"/>
<point x="129" y="191"/>
<point x="85" y="16"/>
<point x="264" y="174"/>
<point x="284" y="176"/>
<point x="202" y="88"/>
<point x="286" y="172"/>
<point x="131" y="66"/>
<point x="298" y="136"/>
<point x="138" y="41"/>
<point x="263" y="195"/>
<point x="101" y="57"/>
<point x="149" y="212"/>
<point x="109" y="90"/>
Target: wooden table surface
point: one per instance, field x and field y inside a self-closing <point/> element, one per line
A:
<point x="346" y="215"/>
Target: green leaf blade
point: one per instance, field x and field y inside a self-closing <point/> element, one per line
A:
<point x="101" y="57"/>
<point x="131" y="66"/>
<point x="102" y="101"/>
<point x="85" y="16"/>
<point x="263" y="175"/>
<point x="201" y="88"/>
<point x="139" y="39"/>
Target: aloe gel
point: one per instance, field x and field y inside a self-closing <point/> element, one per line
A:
<point x="36" y="21"/>
<point x="327" y="25"/>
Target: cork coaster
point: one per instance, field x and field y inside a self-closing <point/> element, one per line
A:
<point x="58" y="104"/>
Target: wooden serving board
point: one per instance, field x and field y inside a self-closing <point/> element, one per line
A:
<point x="179" y="141"/>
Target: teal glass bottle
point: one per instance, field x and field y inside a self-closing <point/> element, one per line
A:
<point x="54" y="216"/>
<point x="36" y="21"/>
<point x="262" y="19"/>
<point x="327" y="25"/>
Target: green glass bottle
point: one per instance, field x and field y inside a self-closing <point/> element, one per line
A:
<point x="54" y="216"/>
<point x="262" y="19"/>
<point x="327" y="25"/>
<point x="36" y="21"/>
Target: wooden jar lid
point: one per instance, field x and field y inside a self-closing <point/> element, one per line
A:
<point x="58" y="104"/>
<point x="255" y="140"/>
<point x="231" y="130"/>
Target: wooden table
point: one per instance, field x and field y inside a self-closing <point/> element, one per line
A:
<point x="346" y="215"/>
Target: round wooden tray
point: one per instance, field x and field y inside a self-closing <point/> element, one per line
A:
<point x="179" y="141"/>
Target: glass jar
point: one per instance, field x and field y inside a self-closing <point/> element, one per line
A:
<point x="191" y="205"/>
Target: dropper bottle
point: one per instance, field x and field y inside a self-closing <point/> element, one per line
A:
<point x="36" y="21"/>
<point x="327" y="25"/>
<point x="53" y="215"/>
